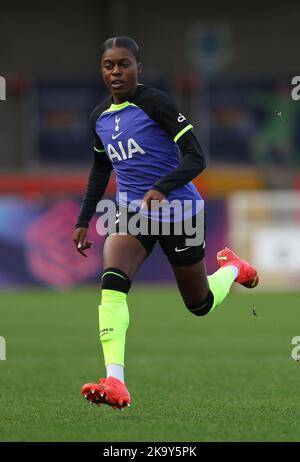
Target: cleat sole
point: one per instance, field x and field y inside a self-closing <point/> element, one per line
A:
<point x="108" y="392"/>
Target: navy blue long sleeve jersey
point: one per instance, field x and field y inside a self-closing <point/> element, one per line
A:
<point x="149" y="144"/>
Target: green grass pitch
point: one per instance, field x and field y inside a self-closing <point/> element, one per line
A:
<point x="226" y="377"/>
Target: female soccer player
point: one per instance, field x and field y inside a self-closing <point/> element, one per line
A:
<point x="139" y="132"/>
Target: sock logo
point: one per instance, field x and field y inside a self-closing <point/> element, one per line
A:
<point x="105" y="331"/>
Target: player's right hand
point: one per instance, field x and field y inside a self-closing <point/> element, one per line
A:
<point x="80" y="241"/>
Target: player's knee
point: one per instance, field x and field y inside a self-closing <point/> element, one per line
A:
<point x="115" y="279"/>
<point x="203" y="307"/>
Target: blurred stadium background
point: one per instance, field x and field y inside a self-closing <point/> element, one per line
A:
<point x="228" y="67"/>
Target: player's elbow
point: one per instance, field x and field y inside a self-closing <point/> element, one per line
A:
<point x="199" y="166"/>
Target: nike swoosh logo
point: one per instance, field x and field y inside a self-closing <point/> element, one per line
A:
<point x="181" y="250"/>
<point x="116" y="136"/>
<point x="101" y="335"/>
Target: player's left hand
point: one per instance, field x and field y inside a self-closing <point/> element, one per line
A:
<point x="152" y="195"/>
<point x="80" y="241"/>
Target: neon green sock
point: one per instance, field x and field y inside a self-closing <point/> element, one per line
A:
<point x="113" y="322"/>
<point x="220" y="283"/>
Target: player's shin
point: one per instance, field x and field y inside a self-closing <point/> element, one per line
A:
<point x="114" y="321"/>
<point x="220" y="283"/>
<point x="219" y="286"/>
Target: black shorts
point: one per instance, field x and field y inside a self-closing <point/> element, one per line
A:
<point x="181" y="249"/>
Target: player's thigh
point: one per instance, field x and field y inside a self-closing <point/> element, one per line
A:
<point x="188" y="263"/>
<point x="123" y="252"/>
<point x="192" y="282"/>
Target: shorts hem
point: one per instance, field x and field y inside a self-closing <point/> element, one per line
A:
<point x="189" y="262"/>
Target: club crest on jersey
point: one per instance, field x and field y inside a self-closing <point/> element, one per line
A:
<point x="121" y="152"/>
<point x="117" y="120"/>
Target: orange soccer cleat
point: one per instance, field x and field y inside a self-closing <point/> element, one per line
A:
<point x="247" y="276"/>
<point x="109" y="391"/>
